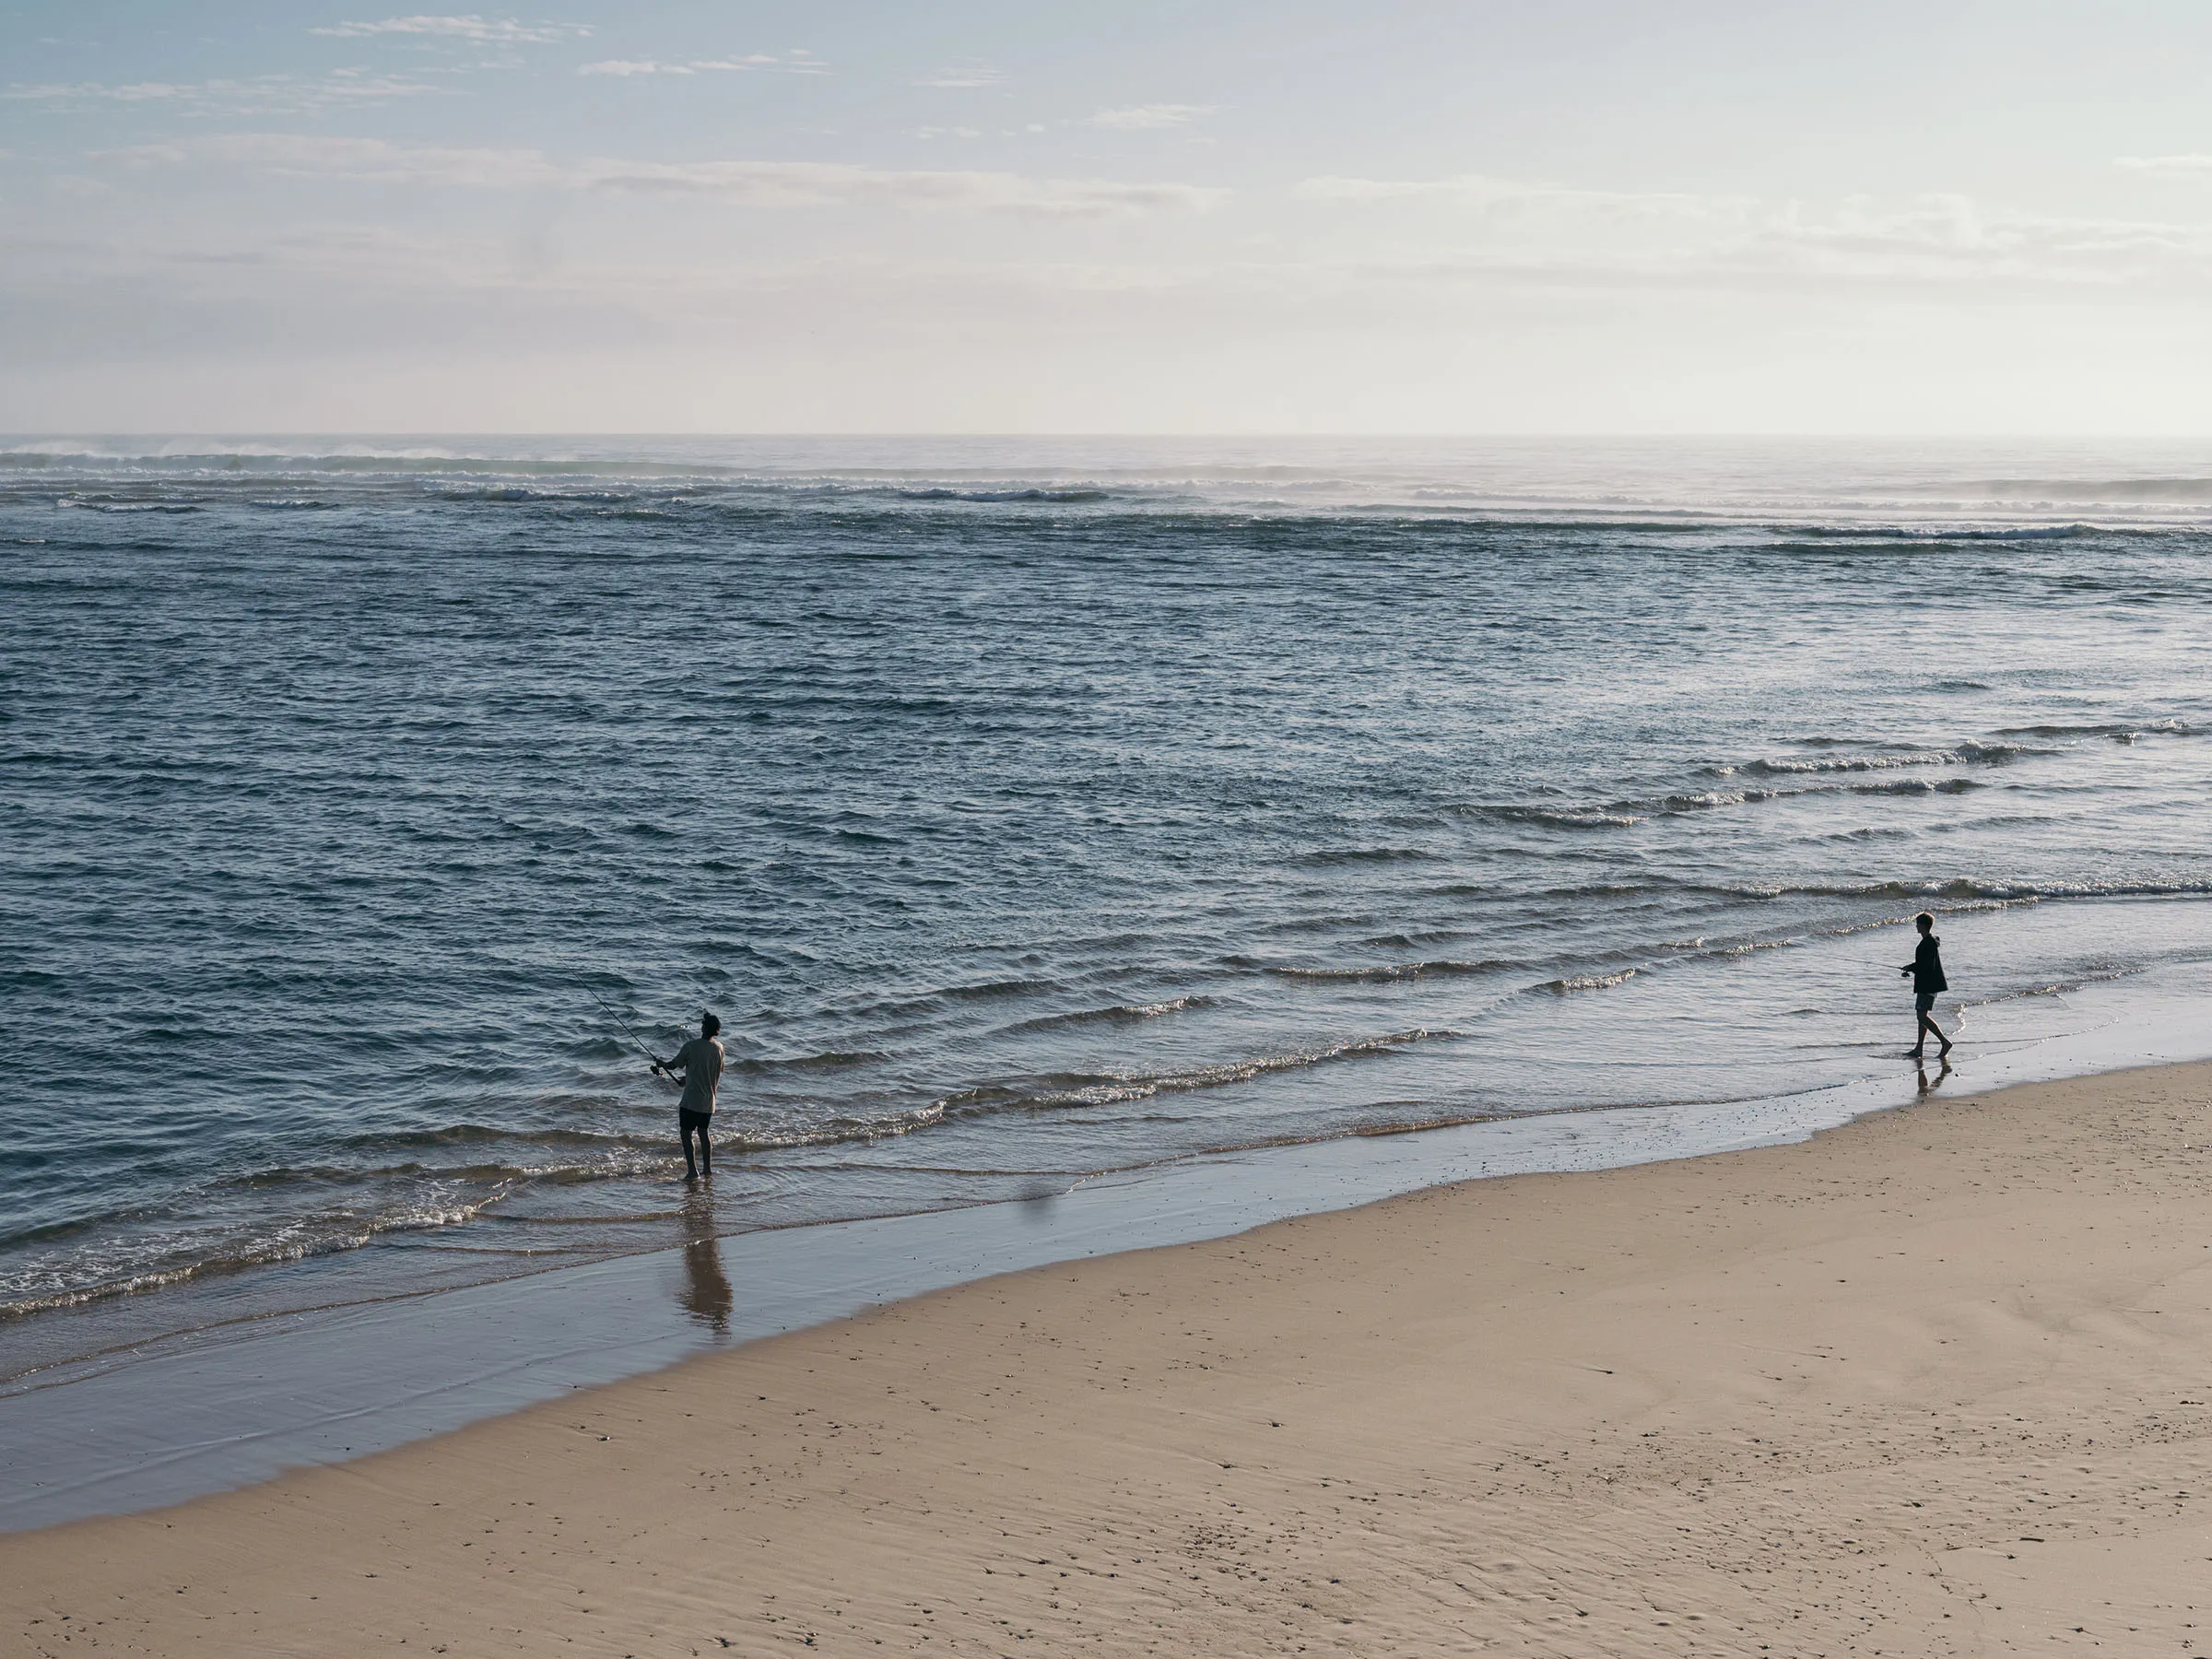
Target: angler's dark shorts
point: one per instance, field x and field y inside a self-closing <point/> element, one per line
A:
<point x="688" y="1121"/>
<point x="1924" y="1003"/>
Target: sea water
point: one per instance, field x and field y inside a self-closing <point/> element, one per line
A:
<point x="1028" y="810"/>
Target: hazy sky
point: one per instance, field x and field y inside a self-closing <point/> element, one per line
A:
<point x="316" y="215"/>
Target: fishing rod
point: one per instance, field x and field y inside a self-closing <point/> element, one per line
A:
<point x="638" y="1041"/>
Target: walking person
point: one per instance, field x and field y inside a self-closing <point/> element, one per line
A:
<point x="700" y="1062"/>
<point x="1927" y="968"/>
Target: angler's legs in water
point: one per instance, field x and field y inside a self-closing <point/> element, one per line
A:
<point x="696" y="1123"/>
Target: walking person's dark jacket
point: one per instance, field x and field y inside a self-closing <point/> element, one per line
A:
<point x="1927" y="967"/>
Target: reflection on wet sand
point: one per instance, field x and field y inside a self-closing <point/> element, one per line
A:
<point x="706" y="1295"/>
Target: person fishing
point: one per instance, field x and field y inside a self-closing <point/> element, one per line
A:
<point x="1927" y="968"/>
<point x="700" y="1062"/>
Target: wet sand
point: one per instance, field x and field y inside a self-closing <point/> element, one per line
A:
<point x="1936" y="1382"/>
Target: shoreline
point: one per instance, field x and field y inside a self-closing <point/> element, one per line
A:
<point x="219" y="1408"/>
<point x="1930" y="1381"/>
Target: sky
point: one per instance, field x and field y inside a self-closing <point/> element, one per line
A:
<point x="1582" y="217"/>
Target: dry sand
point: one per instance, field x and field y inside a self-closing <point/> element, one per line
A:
<point x="1938" y="1382"/>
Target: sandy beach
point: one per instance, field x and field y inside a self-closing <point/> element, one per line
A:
<point x="1939" y="1381"/>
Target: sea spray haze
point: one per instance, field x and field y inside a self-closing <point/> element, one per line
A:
<point x="1028" y="810"/>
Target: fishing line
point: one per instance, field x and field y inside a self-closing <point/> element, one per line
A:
<point x="636" y="1040"/>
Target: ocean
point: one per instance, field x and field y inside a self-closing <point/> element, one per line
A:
<point x="1029" y="810"/>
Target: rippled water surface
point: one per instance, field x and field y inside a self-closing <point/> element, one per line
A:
<point x="1026" y="810"/>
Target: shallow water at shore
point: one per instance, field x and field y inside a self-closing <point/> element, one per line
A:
<point x="153" y="1422"/>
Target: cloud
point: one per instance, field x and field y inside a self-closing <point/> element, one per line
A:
<point x="1555" y="233"/>
<point x="1151" y="117"/>
<point x="797" y="63"/>
<point x="504" y="32"/>
<point x="740" y="183"/>
<point x="2165" y="163"/>
<point x="827" y="184"/>
<point x="1482" y="191"/>
<point x="372" y="160"/>
<point x="965" y="75"/>
<point x="59" y="91"/>
<point x="142" y="155"/>
<point x="264" y="94"/>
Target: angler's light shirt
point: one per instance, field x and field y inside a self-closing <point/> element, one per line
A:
<point x="700" y="1061"/>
